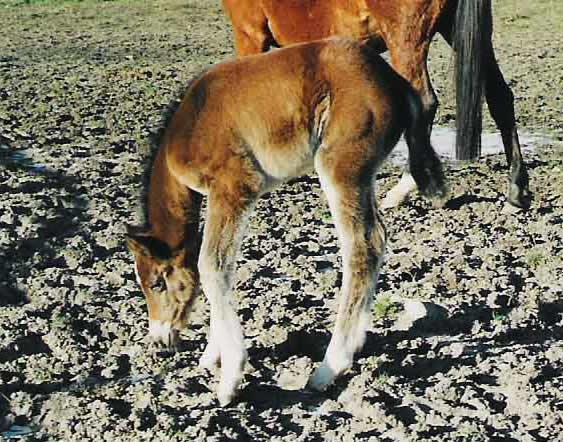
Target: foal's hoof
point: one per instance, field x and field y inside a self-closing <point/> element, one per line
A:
<point x="321" y="379"/>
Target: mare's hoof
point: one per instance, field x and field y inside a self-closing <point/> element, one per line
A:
<point x="518" y="197"/>
<point x="509" y="209"/>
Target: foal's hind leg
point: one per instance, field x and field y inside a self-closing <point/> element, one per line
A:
<point x="361" y="234"/>
<point x="223" y="229"/>
<point x="500" y="100"/>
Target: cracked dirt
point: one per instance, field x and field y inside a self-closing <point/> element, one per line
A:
<point x="82" y="89"/>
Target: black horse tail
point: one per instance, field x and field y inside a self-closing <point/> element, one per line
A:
<point x="472" y="35"/>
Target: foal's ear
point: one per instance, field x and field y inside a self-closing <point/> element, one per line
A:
<point x="137" y="245"/>
<point x="141" y="242"/>
<point x="137" y="230"/>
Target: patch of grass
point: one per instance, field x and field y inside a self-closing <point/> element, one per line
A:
<point x="381" y="381"/>
<point x="12" y="3"/>
<point x="60" y="322"/>
<point x="499" y="317"/>
<point x="535" y="259"/>
<point x="385" y="308"/>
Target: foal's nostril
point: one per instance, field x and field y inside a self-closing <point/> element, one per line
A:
<point x="162" y="333"/>
<point x="158" y="285"/>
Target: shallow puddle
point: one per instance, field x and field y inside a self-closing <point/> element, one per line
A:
<point x="443" y="141"/>
<point x="20" y="159"/>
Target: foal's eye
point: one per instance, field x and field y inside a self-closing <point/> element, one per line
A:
<point x="159" y="285"/>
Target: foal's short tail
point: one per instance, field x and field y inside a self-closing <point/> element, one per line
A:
<point x="424" y="164"/>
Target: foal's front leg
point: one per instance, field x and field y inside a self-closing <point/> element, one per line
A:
<point x="223" y="229"/>
<point x="212" y="354"/>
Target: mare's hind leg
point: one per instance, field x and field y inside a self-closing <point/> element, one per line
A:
<point x="500" y="100"/>
<point x="361" y="234"/>
<point x="223" y="230"/>
<point x="411" y="64"/>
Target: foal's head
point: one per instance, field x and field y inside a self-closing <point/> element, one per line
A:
<point x="169" y="280"/>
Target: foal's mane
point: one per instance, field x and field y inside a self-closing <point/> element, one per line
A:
<point x="157" y="134"/>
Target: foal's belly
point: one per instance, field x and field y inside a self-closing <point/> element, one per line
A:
<point x="283" y="161"/>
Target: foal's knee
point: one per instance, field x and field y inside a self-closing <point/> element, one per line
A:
<point x="209" y="271"/>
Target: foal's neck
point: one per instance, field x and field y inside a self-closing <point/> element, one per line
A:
<point x="172" y="217"/>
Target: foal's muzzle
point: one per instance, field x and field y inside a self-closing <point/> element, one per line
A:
<point x="162" y="332"/>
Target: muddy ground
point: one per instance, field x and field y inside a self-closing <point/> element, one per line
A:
<point x="83" y="87"/>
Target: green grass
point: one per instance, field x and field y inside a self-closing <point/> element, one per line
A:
<point x="535" y="259"/>
<point x="381" y="381"/>
<point x="385" y="308"/>
<point x="499" y="318"/>
<point x="60" y="322"/>
<point x="15" y="3"/>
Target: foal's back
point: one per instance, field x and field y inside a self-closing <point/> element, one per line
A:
<point x="266" y="115"/>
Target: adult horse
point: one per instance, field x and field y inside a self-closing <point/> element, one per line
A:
<point x="405" y="28"/>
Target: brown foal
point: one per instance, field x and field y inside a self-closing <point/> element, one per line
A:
<point x="243" y="128"/>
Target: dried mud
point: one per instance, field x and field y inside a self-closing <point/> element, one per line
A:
<point x="82" y="89"/>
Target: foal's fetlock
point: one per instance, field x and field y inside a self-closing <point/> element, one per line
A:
<point x="210" y="358"/>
